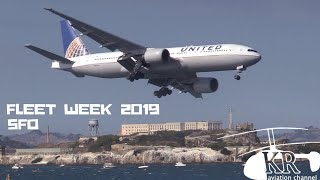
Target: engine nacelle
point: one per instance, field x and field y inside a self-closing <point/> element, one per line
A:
<point x="156" y="56"/>
<point x="205" y="85"/>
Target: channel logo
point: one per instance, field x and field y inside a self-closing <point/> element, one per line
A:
<point x="275" y="162"/>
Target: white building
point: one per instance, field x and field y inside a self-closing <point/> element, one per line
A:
<point x="128" y="129"/>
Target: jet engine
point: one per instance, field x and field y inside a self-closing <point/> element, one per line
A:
<point x="205" y="85"/>
<point x="156" y="56"/>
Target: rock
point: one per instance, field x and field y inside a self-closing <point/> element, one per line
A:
<point x="137" y="156"/>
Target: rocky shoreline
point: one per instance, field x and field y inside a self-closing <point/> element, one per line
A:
<point x="165" y="155"/>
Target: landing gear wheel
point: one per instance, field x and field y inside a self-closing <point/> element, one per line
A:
<point x="139" y="75"/>
<point x="136" y="76"/>
<point x="157" y="93"/>
<point x="162" y="92"/>
<point x="239" y="70"/>
<point x="130" y="78"/>
<point x="237" y="77"/>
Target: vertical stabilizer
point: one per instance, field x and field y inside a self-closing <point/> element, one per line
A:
<point x="73" y="46"/>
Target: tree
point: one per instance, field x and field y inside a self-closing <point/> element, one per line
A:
<point x="225" y="151"/>
<point x="103" y="143"/>
<point x="217" y="146"/>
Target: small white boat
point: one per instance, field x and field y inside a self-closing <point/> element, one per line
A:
<point x="17" y="166"/>
<point x="143" y="167"/>
<point x="108" y="166"/>
<point x="62" y="165"/>
<point x="179" y="164"/>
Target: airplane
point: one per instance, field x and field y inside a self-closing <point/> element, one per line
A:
<point x="176" y="67"/>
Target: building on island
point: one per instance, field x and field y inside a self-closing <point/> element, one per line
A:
<point x="245" y="126"/>
<point x="128" y="129"/>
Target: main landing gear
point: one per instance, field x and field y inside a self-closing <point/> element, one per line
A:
<point x="239" y="70"/>
<point x="162" y="92"/>
<point x="135" y="74"/>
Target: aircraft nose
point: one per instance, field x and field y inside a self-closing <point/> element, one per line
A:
<point x="254" y="58"/>
<point x="258" y="57"/>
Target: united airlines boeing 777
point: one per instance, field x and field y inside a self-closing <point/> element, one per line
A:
<point x="168" y="68"/>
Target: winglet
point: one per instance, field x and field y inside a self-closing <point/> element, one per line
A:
<point x="59" y="14"/>
<point x="48" y="9"/>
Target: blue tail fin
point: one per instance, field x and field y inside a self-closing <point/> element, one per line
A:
<point x="72" y="44"/>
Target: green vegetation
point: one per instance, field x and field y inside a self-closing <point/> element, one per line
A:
<point x="162" y="138"/>
<point x="6" y="142"/>
<point x="225" y="151"/>
<point x="247" y="156"/>
<point x="217" y="146"/>
<point x="216" y="136"/>
<point x="36" y="160"/>
<point x="103" y="143"/>
<point x="235" y="143"/>
<point x="306" y="149"/>
<point x="213" y="133"/>
<point x="74" y="145"/>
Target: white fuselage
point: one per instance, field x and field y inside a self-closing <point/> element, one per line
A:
<point x="202" y="58"/>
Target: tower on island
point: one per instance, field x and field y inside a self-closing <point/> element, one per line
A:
<point x="94" y="127"/>
<point x="231" y="119"/>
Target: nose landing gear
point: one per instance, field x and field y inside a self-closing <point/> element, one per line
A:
<point x="237" y="77"/>
<point x="239" y="70"/>
<point x="162" y="92"/>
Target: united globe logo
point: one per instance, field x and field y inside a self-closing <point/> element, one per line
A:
<point x="76" y="48"/>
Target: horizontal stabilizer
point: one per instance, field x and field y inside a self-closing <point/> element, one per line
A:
<point x="48" y="54"/>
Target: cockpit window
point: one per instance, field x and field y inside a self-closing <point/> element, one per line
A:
<point x="252" y="50"/>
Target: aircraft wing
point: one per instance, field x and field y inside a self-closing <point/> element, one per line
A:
<point x="183" y="85"/>
<point x="105" y="39"/>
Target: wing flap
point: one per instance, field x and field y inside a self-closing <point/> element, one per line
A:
<point x="48" y="54"/>
<point x="105" y="39"/>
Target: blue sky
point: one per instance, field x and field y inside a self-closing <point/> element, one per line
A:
<point x="281" y="90"/>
